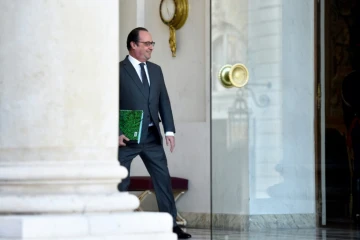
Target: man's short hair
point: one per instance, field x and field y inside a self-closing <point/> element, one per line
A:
<point x="134" y="36"/>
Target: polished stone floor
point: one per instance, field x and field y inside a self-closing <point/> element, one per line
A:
<point x="282" y="234"/>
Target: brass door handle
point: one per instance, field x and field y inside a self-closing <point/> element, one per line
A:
<point x="234" y="76"/>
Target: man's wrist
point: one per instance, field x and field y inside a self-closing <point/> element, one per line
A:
<point x="168" y="134"/>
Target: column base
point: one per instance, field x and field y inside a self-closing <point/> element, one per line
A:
<point x="67" y="203"/>
<point x="127" y="225"/>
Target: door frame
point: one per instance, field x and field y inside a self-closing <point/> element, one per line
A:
<point x="321" y="41"/>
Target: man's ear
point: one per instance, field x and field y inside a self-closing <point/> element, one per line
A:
<point x="133" y="44"/>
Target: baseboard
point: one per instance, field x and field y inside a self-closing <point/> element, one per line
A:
<point x="249" y="222"/>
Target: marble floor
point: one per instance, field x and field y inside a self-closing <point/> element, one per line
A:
<point x="284" y="234"/>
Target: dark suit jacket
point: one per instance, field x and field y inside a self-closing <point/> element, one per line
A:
<point x="132" y="96"/>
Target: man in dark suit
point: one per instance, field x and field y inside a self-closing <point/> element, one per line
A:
<point x="142" y="87"/>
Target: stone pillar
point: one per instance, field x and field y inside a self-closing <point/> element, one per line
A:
<point x="58" y="125"/>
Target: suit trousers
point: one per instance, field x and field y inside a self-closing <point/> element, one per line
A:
<point x="153" y="155"/>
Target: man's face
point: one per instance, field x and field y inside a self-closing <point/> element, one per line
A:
<point x="141" y="51"/>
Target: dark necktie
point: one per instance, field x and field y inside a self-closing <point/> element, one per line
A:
<point x="144" y="79"/>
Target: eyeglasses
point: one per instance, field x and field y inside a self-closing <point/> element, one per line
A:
<point x="148" y="43"/>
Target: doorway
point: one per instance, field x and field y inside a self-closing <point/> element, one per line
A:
<point x="341" y="37"/>
<point x="268" y="58"/>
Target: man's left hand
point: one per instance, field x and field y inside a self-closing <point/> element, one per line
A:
<point x="170" y="140"/>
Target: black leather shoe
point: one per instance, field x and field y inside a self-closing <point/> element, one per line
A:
<point x="180" y="233"/>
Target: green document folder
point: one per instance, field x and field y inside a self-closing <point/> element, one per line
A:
<point x="131" y="123"/>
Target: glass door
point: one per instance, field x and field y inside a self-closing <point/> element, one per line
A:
<point x="262" y="113"/>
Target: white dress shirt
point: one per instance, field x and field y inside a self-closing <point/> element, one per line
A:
<point x="136" y="65"/>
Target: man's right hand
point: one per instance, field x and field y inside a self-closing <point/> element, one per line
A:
<point x="121" y="140"/>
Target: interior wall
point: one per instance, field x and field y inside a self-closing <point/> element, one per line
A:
<point x="187" y="77"/>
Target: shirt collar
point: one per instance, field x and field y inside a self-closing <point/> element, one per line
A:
<point x="134" y="61"/>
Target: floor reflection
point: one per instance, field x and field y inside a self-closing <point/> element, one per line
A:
<point x="281" y="234"/>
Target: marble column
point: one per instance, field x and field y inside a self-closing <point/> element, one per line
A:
<point x="58" y="125"/>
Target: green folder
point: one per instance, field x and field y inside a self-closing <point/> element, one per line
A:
<point x="131" y="123"/>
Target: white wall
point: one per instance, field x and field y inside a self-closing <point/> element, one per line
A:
<point x="187" y="79"/>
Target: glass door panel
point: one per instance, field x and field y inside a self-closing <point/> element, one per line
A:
<point x="263" y="165"/>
